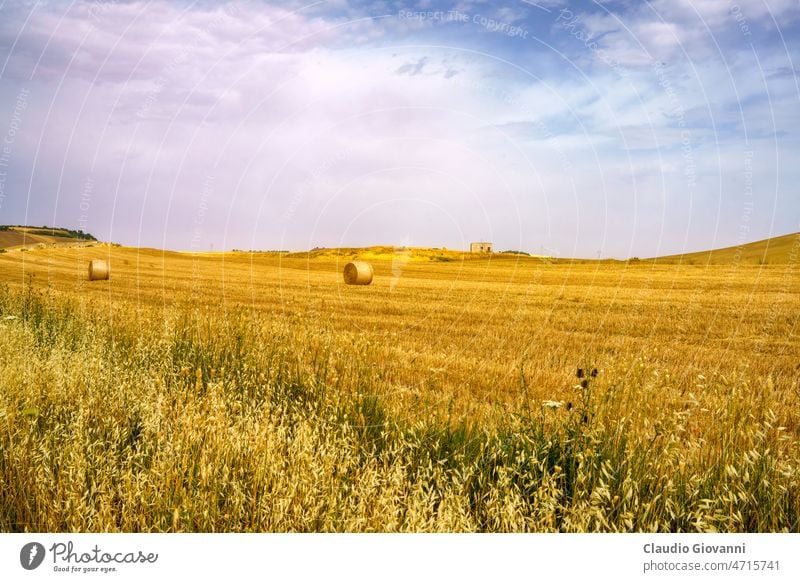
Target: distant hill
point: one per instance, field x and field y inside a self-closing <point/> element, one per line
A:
<point x="400" y="253"/>
<point x="776" y="250"/>
<point x="12" y="237"/>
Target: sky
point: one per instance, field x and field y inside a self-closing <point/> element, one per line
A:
<point x="574" y="129"/>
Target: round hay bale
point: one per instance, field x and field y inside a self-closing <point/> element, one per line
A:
<point x="358" y="273"/>
<point x="98" y="270"/>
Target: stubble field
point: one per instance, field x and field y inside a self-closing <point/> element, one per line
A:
<point x="257" y="392"/>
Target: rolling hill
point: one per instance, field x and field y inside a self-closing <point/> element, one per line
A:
<point x="21" y="237"/>
<point x="776" y="250"/>
<point x="398" y="253"/>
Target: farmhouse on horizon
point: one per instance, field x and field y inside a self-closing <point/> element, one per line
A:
<point x="480" y="247"/>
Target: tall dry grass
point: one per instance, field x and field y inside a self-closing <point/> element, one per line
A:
<point x="128" y="413"/>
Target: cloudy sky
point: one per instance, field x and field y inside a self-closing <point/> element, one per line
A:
<point x="575" y="128"/>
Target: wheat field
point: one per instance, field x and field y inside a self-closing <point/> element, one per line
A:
<point x="257" y="392"/>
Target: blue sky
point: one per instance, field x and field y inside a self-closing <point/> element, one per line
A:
<point x="570" y="128"/>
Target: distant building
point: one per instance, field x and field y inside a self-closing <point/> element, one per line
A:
<point x="480" y="247"/>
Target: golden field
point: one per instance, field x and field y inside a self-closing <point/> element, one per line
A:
<point x="257" y="392"/>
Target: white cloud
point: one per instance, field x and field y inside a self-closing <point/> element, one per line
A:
<point x="669" y="30"/>
<point x="296" y="128"/>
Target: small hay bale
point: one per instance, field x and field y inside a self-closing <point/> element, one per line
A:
<point x="98" y="270"/>
<point x="358" y="273"/>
